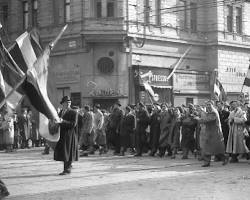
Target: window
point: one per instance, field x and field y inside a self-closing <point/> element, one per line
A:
<point x="193" y="17"/>
<point x="76" y="99"/>
<point x="5" y="15"/>
<point x="158" y="12"/>
<point x="239" y="20"/>
<point x="110" y="9"/>
<point x="25" y="15"/>
<point x="98" y="9"/>
<point x="67" y="10"/>
<point x="34" y="12"/>
<point x="183" y="14"/>
<point x="229" y="15"/>
<point x="147" y="12"/>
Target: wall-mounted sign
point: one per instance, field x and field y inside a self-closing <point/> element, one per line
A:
<point x="109" y="92"/>
<point x="71" y="74"/>
<point x="154" y="76"/>
<point x="187" y="81"/>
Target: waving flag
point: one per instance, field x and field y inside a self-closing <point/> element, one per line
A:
<point x="219" y="91"/>
<point x="247" y="78"/>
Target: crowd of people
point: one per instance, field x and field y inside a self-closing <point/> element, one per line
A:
<point x="216" y="128"/>
<point x="18" y="130"/>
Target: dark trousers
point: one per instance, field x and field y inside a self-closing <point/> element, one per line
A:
<point x="140" y="139"/>
<point x="67" y="165"/>
<point x="207" y="158"/>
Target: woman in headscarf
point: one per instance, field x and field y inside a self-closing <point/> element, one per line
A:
<point x="213" y="138"/>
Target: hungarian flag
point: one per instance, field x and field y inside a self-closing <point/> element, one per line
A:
<point x="27" y="52"/>
<point x="219" y="91"/>
<point x="247" y="78"/>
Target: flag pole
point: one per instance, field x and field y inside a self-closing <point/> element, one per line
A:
<point x="179" y="62"/>
<point x="51" y="46"/>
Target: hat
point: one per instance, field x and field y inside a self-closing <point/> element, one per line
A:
<point x="64" y="99"/>
<point x="97" y="106"/>
<point x="118" y="103"/>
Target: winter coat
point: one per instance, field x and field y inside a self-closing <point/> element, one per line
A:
<point x="165" y="126"/>
<point x="67" y="147"/>
<point x="236" y="143"/>
<point x="213" y="136"/>
<point x="87" y="123"/>
<point x="23" y="127"/>
<point x="127" y="129"/>
<point x="175" y="133"/>
<point x="99" y="134"/>
<point x="8" y="131"/>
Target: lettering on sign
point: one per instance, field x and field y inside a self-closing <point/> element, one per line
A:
<point x="105" y="92"/>
<point x="191" y="82"/>
<point x="234" y="72"/>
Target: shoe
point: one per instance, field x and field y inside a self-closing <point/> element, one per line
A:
<point x="184" y="157"/>
<point x="45" y="153"/>
<point x="65" y="172"/>
<point x="234" y="160"/>
<point x="225" y="161"/>
<point x="206" y="165"/>
<point x="151" y="154"/>
<point x="138" y="155"/>
<point x="173" y="157"/>
<point x="122" y="154"/>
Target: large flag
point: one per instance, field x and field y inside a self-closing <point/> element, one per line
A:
<point x="247" y="78"/>
<point x="219" y="91"/>
<point x="27" y="52"/>
<point x="11" y="75"/>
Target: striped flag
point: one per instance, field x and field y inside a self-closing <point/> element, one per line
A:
<point x="219" y="91"/>
<point x="247" y="78"/>
<point x="27" y="52"/>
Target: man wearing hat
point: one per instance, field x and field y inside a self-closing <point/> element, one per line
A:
<point x="114" y="125"/>
<point x="66" y="149"/>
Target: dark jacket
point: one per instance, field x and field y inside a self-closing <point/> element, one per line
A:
<point x="127" y="124"/>
<point x="67" y="147"/>
<point x="115" y="119"/>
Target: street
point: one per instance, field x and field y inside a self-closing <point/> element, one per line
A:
<point x="30" y="175"/>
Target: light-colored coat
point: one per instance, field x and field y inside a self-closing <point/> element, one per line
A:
<point x="235" y="143"/>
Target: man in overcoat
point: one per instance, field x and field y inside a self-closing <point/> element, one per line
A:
<point x="114" y="125"/>
<point x="66" y="149"/>
<point x="213" y="141"/>
<point x="86" y="131"/>
<point x="127" y="128"/>
<point x="142" y="120"/>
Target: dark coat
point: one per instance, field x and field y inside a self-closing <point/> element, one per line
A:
<point x="23" y="127"/>
<point x="127" y="128"/>
<point x="189" y="125"/>
<point x="115" y="119"/>
<point x="155" y="130"/>
<point x="67" y="147"/>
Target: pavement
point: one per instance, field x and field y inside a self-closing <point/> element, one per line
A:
<point x="29" y="175"/>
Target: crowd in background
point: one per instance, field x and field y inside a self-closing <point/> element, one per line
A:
<point x="218" y="129"/>
<point x="18" y="130"/>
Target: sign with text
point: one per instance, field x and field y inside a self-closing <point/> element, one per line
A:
<point x="155" y="76"/>
<point x="188" y="81"/>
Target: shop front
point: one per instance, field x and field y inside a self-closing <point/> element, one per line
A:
<point x="191" y="87"/>
<point x="157" y="78"/>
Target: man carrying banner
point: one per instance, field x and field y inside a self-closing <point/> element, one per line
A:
<point x="66" y="149"/>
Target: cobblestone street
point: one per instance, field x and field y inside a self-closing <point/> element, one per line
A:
<point x="30" y="175"/>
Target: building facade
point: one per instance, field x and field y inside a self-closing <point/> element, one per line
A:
<point x="110" y="44"/>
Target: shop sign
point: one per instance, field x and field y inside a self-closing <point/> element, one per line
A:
<point x="154" y="76"/>
<point x="109" y="92"/>
<point x="185" y="81"/>
<point x="67" y="75"/>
